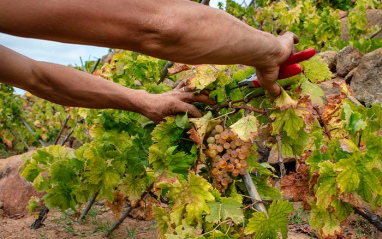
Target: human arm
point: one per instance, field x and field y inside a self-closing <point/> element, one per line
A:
<point x="71" y="87"/>
<point x="176" y="30"/>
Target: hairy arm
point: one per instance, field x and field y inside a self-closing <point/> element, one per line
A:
<point x="70" y="87"/>
<point x="176" y="30"/>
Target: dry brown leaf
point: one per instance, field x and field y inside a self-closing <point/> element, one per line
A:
<point x="178" y="67"/>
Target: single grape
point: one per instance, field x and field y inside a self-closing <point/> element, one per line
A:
<point x="234" y="153"/>
<point x="222" y="164"/>
<point x="217" y="157"/>
<point x="217" y="137"/>
<point x="214" y="147"/>
<point x="232" y="160"/>
<point x="213" y="132"/>
<point x="219" y="128"/>
<point x="244" y="148"/>
<point x="227" y="145"/>
<point x="215" y="171"/>
<point x="224" y="182"/>
<point x="219" y="177"/>
<point x="242" y="155"/>
<point x="230" y="167"/>
<point x="237" y="142"/>
<point x="225" y="157"/>
<point x="224" y="135"/>
<point x="242" y="171"/>
<point x="229" y="151"/>
<point x="238" y="150"/>
<point x="235" y="172"/>
<point x="243" y="163"/>
<point x="211" y="140"/>
<point x="219" y="148"/>
<point x="213" y="153"/>
<point x="207" y="152"/>
<point x="237" y="161"/>
<point x="233" y="145"/>
<point x="238" y="166"/>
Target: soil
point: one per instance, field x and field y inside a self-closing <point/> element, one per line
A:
<point x="62" y="226"/>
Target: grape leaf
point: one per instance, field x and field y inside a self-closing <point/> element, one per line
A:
<point x="287" y="120"/>
<point x="203" y="125"/>
<point x="60" y="196"/>
<point x="316" y="70"/>
<point x="342" y="209"/>
<point x="202" y="76"/>
<point x="167" y="132"/>
<point x="132" y="187"/>
<point x="192" y="195"/>
<point x="314" y="92"/>
<point x="178" y="67"/>
<point x="284" y="101"/>
<point x="324" y="222"/>
<point x="162" y="220"/>
<point x="163" y="158"/>
<point x="40" y="183"/>
<point x="227" y="208"/>
<point x="267" y="227"/>
<point x="348" y="178"/>
<point x="327" y="184"/>
<point x="246" y="128"/>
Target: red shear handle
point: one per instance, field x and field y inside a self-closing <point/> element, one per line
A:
<point x="289" y="71"/>
<point x="299" y="57"/>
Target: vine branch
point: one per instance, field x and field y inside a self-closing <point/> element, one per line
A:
<point x="164" y="72"/>
<point x="327" y="131"/>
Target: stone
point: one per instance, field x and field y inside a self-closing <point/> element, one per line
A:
<point x="330" y="58"/>
<point x="15" y="191"/>
<point x="328" y="88"/>
<point x="348" y="59"/>
<point x="367" y="79"/>
<point x="350" y="75"/>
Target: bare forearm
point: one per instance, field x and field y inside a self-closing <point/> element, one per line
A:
<point x="177" y="30"/>
<point x="65" y="85"/>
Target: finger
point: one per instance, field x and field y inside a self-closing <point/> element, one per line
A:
<point x="180" y="85"/>
<point x="191" y="97"/>
<point x="205" y="92"/>
<point x="292" y="36"/>
<point x="190" y="109"/>
<point x="267" y="79"/>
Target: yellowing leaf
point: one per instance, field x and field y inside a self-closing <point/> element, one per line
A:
<point x="246" y="128"/>
<point x="227" y="208"/>
<point x="203" y="75"/>
<point x="132" y="187"/>
<point x="284" y="101"/>
<point x="203" y="125"/>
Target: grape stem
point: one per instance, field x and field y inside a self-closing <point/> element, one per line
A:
<point x="280" y="156"/>
<point x="322" y="121"/>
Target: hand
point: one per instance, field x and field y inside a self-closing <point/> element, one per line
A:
<point x="268" y="72"/>
<point x="158" y="106"/>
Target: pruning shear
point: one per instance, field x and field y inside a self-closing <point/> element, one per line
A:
<point x="287" y="69"/>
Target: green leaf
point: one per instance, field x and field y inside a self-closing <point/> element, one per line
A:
<point x="342" y="209"/>
<point x="61" y="196"/>
<point x="288" y="121"/>
<point x="267" y="227"/>
<point x="246" y="128"/>
<point x="227" y="208"/>
<point x="167" y="132"/>
<point x="163" y="158"/>
<point x="32" y="205"/>
<point x="40" y="183"/>
<point x="316" y="70"/>
<point x="181" y="120"/>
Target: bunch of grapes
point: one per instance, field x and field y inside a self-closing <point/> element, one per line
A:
<point x="227" y="154"/>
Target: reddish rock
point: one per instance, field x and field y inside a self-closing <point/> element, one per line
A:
<point x="348" y="59"/>
<point x="15" y="191"/>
